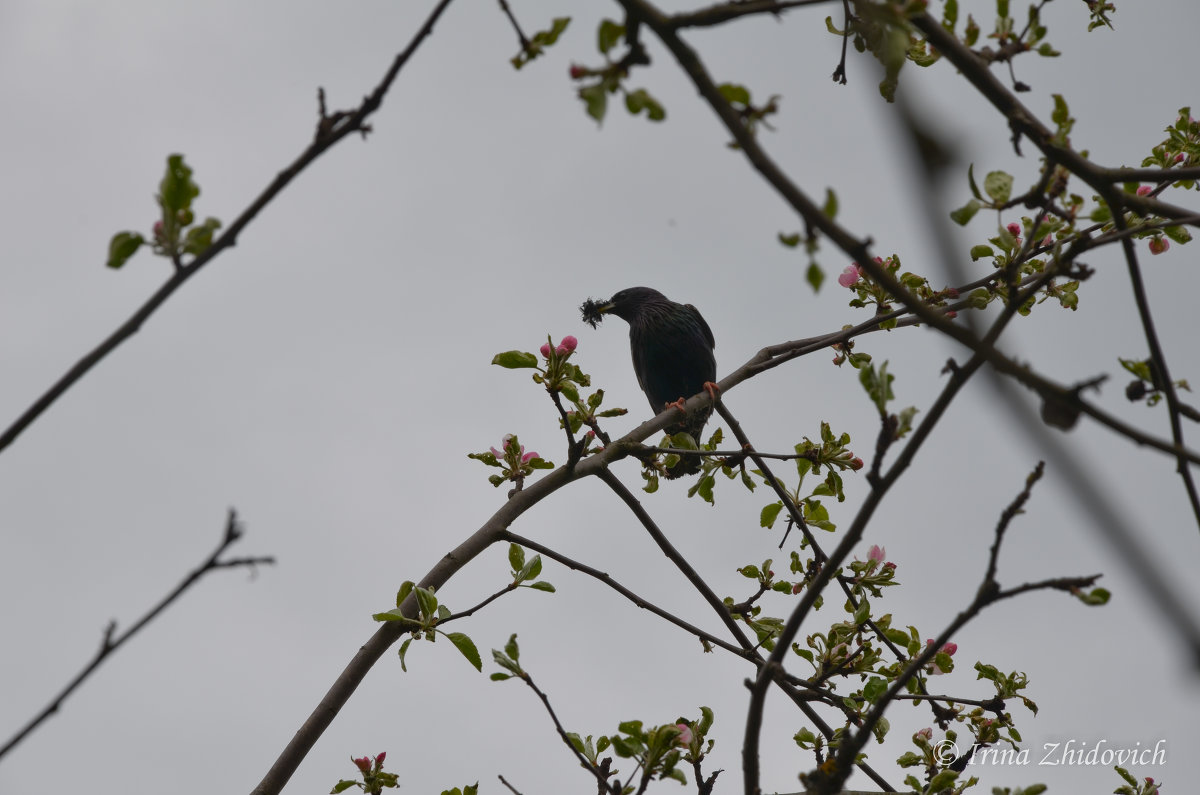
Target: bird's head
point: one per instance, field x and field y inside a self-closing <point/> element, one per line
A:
<point x="624" y="304"/>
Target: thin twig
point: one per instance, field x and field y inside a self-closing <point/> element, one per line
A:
<point x="640" y="601"/>
<point x="600" y="774"/>
<point x="673" y="555"/>
<point x="330" y="130"/>
<point x="521" y="37"/>
<point x="112" y="642"/>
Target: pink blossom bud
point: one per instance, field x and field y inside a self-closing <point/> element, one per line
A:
<point x="951" y="292"/>
<point x="1158" y="245"/>
<point x="950" y="648"/>
<point x="850" y="275"/>
<point x="890" y="565"/>
<point x="1014" y="229"/>
<point x="545" y="350"/>
<point x="363" y="764"/>
<point x="685" y="734"/>
<point x="1048" y="240"/>
<point x="379" y="759"/>
<point x="926" y="733"/>
<point x="527" y="457"/>
<point x="876" y="553"/>
<point x="569" y="342"/>
<point x="578" y="72"/>
<point x="1144" y="190"/>
<point x="856" y="463"/>
<point x="1179" y="157"/>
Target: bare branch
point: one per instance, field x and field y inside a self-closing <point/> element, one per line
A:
<point x="112" y="642"/>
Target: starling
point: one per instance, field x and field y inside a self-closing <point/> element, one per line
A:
<point x="672" y="350"/>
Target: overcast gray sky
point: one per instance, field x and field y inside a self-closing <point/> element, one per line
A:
<point x="328" y="376"/>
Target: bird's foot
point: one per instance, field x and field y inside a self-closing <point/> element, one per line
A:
<point x="678" y="404"/>
<point x="712" y="389"/>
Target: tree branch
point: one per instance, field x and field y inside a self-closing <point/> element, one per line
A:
<point x="330" y="130"/>
<point x="112" y="642"/>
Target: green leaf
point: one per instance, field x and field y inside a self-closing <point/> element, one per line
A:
<point x="404" y="650"/>
<point x="516" y="556"/>
<point x="426" y="601"/>
<point x="595" y="97"/>
<point x="734" y="93"/>
<point x="530" y="570"/>
<point x="1178" y="233"/>
<point x="199" y="238"/>
<point x="791" y="241"/>
<point x="608" y="35"/>
<point x="177" y="189"/>
<point x="963" y="215"/>
<point x="542" y="585"/>
<point x="998" y="185"/>
<point x="830" y="208"/>
<point x="1061" y="114"/>
<point x="405" y="589"/>
<point x="547" y="37"/>
<point x="467" y="647"/>
<point x="639" y="100"/>
<point x="1094" y="597"/>
<point x="123" y="246"/>
<point x="971" y="181"/>
<point x="950" y="15"/>
<point x="342" y="786"/>
<point x="769" y="514"/>
<point x="394" y="615"/>
<point x="982" y="250"/>
<point x="515" y="360"/>
<point x="814" y="276"/>
<point x="943" y="781"/>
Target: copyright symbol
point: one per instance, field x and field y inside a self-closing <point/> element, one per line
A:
<point x="945" y="752"/>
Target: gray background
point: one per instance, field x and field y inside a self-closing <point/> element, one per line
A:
<point x="329" y="375"/>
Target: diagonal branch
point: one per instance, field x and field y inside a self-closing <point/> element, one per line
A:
<point x="112" y="641"/>
<point x="330" y="130"/>
<point x="645" y="604"/>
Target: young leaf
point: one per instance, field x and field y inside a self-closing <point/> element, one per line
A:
<point x="123" y="246"/>
<point x="177" y="189"/>
<point x="608" y="35"/>
<point x="467" y="647"/>
<point x="998" y="185"/>
<point x="515" y="360"/>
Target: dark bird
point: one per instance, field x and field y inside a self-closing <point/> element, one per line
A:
<point x="672" y="351"/>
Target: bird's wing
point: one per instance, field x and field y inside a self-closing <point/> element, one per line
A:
<point x="708" y="335"/>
